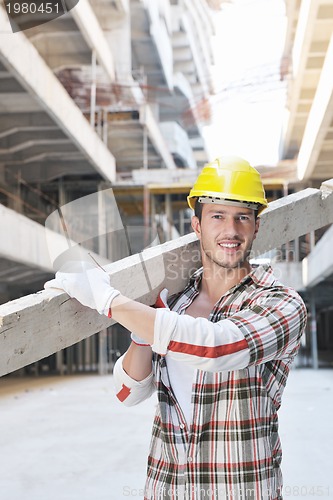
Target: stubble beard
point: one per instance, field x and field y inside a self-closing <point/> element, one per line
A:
<point x="240" y="263"/>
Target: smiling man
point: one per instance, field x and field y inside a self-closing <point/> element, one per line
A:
<point x="218" y="356"/>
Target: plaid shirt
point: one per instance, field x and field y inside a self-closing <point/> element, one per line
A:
<point x="242" y="355"/>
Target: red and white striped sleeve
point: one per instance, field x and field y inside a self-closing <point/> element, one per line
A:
<point x="205" y="345"/>
<point x="269" y="329"/>
<point x="129" y="391"/>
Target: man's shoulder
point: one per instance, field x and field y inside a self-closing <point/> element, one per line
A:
<point x="264" y="276"/>
<point x="267" y="285"/>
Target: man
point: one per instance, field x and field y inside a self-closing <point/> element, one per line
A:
<point x="219" y="356"/>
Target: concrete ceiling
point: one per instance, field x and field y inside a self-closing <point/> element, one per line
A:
<point x="308" y="133"/>
<point x="33" y="144"/>
<point x="25" y="278"/>
<point x="146" y="58"/>
<point x="60" y="43"/>
<point x="37" y="147"/>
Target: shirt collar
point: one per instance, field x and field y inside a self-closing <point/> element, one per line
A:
<point x="196" y="278"/>
<point x="261" y="276"/>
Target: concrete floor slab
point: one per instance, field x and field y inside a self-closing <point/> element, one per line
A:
<point x="68" y="438"/>
<point x="306" y="431"/>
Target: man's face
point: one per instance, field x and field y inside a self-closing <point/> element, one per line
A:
<point x="226" y="234"/>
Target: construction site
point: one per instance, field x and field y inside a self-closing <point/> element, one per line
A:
<point x="102" y="111"/>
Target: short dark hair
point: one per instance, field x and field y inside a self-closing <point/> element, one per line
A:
<point x="199" y="206"/>
<point x="198" y="209"/>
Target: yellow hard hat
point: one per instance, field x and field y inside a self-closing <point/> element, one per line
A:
<point x="229" y="178"/>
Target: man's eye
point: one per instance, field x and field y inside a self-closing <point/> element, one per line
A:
<point x="243" y="217"/>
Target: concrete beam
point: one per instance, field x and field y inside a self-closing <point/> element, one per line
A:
<point x="27" y="244"/>
<point x="19" y="56"/>
<point x="319" y="120"/>
<point x="161" y="39"/>
<point x="289" y="273"/>
<point x="148" y="120"/>
<point x="294" y="216"/>
<point x="12" y="123"/>
<point x="92" y="32"/>
<point x="42" y="323"/>
<point x="319" y="263"/>
<point x="182" y="85"/>
<point x="11" y="138"/>
<point x="47" y="169"/>
<point x="38" y="325"/>
<point x="31" y="244"/>
<point x="204" y="32"/>
<point x="122" y="6"/>
<point x="303" y="37"/>
<point x="31" y="148"/>
<point x="178" y="142"/>
<point x="190" y="28"/>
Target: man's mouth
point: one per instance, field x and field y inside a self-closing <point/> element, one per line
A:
<point x="229" y="245"/>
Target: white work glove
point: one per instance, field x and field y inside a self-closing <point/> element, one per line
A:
<point x="86" y="283"/>
<point x="161" y="301"/>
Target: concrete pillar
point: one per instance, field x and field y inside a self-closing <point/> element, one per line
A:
<point x="312" y="240"/>
<point x="102" y="352"/>
<point x="102" y="250"/>
<point x="146" y="215"/>
<point x="168" y="210"/>
<point x="4" y="293"/>
<point x="3" y="173"/>
<point x="93" y="89"/>
<point x="153" y="215"/>
<point x="287" y="245"/>
<point x="117" y="31"/>
<point x="155" y="107"/>
<point x="79" y="357"/>
<point x="145" y="147"/>
<point x="60" y="362"/>
<point x="102" y="226"/>
<point x="328" y="323"/>
<point x="99" y="128"/>
<point x="182" y="222"/>
<point x="61" y="193"/>
<point x="105" y="126"/>
<point x="87" y="353"/>
<point x="61" y="203"/>
<point x="313" y="332"/>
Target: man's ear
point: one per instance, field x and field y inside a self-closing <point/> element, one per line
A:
<point x="257" y="225"/>
<point x="195" y="223"/>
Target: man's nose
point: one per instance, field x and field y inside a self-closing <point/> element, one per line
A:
<point x="230" y="227"/>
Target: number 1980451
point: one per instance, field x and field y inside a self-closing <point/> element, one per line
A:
<point x="33" y="8"/>
<point x="306" y="491"/>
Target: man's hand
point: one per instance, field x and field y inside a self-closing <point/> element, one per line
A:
<point x="86" y="283"/>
